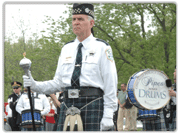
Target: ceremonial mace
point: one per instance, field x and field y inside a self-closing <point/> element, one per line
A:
<point x="26" y="64"/>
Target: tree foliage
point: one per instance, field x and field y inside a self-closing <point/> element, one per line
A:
<point x="135" y="45"/>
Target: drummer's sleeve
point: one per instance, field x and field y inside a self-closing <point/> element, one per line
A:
<point x="19" y="106"/>
<point x="46" y="105"/>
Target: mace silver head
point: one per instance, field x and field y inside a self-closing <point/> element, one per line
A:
<point x="25" y="64"/>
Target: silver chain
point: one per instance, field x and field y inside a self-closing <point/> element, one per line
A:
<point x="84" y="105"/>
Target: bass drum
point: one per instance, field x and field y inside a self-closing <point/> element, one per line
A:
<point x="148" y="115"/>
<point x="147" y="89"/>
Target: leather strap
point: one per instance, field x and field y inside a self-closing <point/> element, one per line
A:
<point x="85" y="91"/>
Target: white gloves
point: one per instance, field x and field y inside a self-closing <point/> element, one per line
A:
<point x="28" y="81"/>
<point x="106" y="124"/>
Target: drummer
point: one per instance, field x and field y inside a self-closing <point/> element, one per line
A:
<point x="40" y="102"/>
<point x="172" y="93"/>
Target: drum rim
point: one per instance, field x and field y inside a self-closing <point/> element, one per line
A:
<point x="29" y="110"/>
<point x="145" y="70"/>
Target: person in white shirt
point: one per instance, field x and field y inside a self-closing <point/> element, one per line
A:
<point x="93" y="89"/>
<point x="9" y="111"/>
<point x="40" y="103"/>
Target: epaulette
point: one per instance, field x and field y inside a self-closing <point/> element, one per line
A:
<point x="69" y="42"/>
<point x="103" y="41"/>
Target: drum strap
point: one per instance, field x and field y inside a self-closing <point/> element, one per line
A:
<point x="73" y="115"/>
<point x="36" y="95"/>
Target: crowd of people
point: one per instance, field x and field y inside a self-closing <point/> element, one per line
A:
<point x="86" y="82"/>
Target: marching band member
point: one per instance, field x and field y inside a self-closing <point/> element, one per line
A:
<point x="86" y="72"/>
<point x="40" y="102"/>
<point x="172" y="93"/>
<point x="14" y="121"/>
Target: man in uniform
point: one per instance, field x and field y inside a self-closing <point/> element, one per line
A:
<point x="172" y="93"/>
<point x="39" y="101"/>
<point x="12" y="100"/>
<point x="86" y="73"/>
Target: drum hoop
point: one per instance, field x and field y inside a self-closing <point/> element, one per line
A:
<point x="135" y="83"/>
<point x="133" y="86"/>
<point x="28" y="110"/>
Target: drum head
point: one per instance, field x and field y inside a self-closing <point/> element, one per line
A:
<point x="150" y="89"/>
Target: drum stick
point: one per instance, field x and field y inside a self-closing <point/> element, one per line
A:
<point x="168" y="83"/>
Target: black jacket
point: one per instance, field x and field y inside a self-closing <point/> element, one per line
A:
<point x="15" y="115"/>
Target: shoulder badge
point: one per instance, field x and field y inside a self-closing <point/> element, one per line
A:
<point x="109" y="54"/>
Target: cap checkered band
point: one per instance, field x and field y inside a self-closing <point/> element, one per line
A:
<point x="82" y="11"/>
<point x="76" y="11"/>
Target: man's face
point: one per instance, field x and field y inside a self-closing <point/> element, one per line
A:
<point x="81" y="24"/>
<point x="17" y="91"/>
<point x="123" y="87"/>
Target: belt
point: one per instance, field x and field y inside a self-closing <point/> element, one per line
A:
<point x="70" y="92"/>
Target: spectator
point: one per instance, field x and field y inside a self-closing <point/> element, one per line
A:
<point x="50" y="121"/>
<point x="123" y="112"/>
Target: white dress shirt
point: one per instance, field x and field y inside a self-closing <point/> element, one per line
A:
<point x="98" y="70"/>
<point x="41" y="103"/>
<point x="9" y="111"/>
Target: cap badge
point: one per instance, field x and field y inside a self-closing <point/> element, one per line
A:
<point x="87" y="10"/>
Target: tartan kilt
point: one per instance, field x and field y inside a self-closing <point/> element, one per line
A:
<point x="91" y="115"/>
<point x="156" y="124"/>
<point x="172" y="126"/>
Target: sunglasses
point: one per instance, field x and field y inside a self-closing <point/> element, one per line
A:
<point x="16" y="87"/>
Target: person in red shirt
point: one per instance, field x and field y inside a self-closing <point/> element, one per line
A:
<point x="50" y="121"/>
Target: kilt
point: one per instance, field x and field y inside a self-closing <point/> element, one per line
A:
<point x="172" y="126"/>
<point x="156" y="124"/>
<point x="91" y="115"/>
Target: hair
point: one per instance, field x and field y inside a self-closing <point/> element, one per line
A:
<point x="90" y="18"/>
<point x="124" y="84"/>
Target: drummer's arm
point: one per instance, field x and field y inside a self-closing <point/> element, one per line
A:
<point x="19" y="106"/>
<point x="172" y="92"/>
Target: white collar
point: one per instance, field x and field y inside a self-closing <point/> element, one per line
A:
<point x="85" y="42"/>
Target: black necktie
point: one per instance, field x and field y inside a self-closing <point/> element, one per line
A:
<point x="77" y="68"/>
